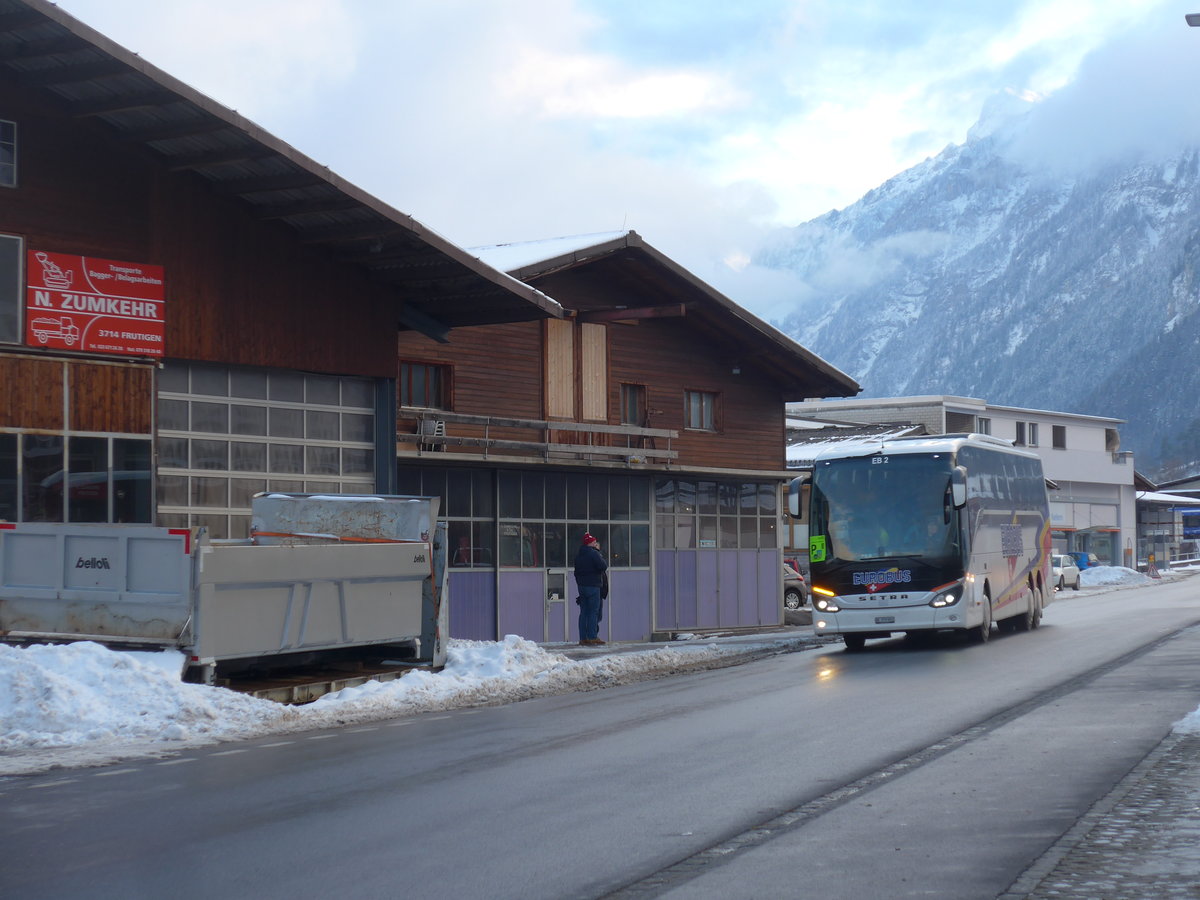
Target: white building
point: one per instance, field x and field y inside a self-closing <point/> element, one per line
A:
<point x="1093" y="508"/>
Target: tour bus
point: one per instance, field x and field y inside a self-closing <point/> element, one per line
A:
<point x="924" y="534"/>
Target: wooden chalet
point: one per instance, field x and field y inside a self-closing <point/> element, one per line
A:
<point x="651" y="415"/>
<point x="191" y="311"/>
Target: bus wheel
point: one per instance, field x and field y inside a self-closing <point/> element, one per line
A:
<point x="983" y="632"/>
<point x="854" y="642"/>
<point x="1033" y="615"/>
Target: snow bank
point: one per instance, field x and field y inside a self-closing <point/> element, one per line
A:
<point x="1100" y="576"/>
<point x="104" y="705"/>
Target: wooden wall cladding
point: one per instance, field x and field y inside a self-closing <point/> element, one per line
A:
<point x="111" y="398"/>
<point x="31" y="393"/>
<point x="239" y="290"/>
<point x="496" y="370"/>
<point x="668" y="358"/>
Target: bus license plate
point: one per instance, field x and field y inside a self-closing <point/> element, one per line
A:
<point x="885" y="620"/>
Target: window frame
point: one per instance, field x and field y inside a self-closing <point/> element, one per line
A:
<point x="16" y="302"/>
<point x="10" y="181"/>
<point x="441" y="397"/>
<point x="708" y="402"/>
<point x="633" y="400"/>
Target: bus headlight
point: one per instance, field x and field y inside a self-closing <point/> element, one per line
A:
<point x="826" y="604"/>
<point x="947" y="598"/>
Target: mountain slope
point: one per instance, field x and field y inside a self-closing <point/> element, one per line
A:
<point x="975" y="273"/>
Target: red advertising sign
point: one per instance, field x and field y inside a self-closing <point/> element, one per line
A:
<point x="95" y="305"/>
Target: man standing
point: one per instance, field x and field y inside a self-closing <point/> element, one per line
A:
<point x="590" y="569"/>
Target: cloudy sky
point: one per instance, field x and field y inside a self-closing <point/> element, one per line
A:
<point x="700" y="124"/>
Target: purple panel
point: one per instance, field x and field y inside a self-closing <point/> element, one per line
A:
<point x="664" y="590"/>
<point x="770" y="588"/>
<point x="472" y="605"/>
<point x="729" y="588"/>
<point x="557" y="628"/>
<point x="521" y="605"/>
<point x="627" y="609"/>
<point x="706" y="589"/>
<point x="747" y="587"/>
<point x="685" y="588"/>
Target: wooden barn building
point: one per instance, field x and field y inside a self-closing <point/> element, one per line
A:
<point x="651" y="416"/>
<point x="191" y="312"/>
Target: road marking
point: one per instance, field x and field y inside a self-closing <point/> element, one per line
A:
<point x="46" y="784"/>
<point x="176" y="762"/>
<point x="113" y="772"/>
<point x="321" y="737"/>
<point x="279" y="744"/>
<point x="399" y="724"/>
<point x="361" y="730"/>
<point x="229" y="752"/>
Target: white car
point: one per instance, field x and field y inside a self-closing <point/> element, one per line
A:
<point x="1065" y="571"/>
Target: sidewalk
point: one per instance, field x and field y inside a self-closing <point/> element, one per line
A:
<point x="1140" y="841"/>
<point x="742" y="645"/>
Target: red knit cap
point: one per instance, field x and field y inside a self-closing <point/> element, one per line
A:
<point x="590" y="539"/>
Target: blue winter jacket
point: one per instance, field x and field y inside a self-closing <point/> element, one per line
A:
<point x="589" y="567"/>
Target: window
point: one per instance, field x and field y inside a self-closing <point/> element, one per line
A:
<point x="699" y="410"/>
<point x="633" y="405"/>
<point x="424" y="385"/>
<point x="225" y="434"/>
<point x="693" y="515"/>
<point x="1033" y="434"/>
<point x="1020" y="438"/>
<point x="10" y="289"/>
<point x="74" y="479"/>
<point x="8" y="154"/>
<point x="983" y="425"/>
<point x="1058" y="436"/>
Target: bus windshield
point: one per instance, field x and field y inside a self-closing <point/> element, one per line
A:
<point x="883" y="507"/>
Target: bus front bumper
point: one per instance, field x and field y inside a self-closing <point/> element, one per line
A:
<point x="889" y="620"/>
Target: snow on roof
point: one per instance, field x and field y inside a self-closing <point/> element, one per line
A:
<point x="510" y="257"/>
<point x="801" y="451"/>
<point x="1165" y="497"/>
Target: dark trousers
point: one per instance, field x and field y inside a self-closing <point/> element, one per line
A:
<point x="589" y="613"/>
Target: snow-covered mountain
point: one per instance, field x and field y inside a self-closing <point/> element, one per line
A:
<point x="988" y="272"/>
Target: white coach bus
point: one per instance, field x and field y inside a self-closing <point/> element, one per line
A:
<point x="924" y="534"/>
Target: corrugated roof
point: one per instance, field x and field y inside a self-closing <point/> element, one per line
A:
<point x="82" y="73"/>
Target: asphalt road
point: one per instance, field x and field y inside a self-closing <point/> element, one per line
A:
<point x="939" y="771"/>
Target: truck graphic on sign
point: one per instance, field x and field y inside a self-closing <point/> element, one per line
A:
<point x="63" y="329"/>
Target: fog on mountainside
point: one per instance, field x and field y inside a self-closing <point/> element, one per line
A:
<point x="1048" y="262"/>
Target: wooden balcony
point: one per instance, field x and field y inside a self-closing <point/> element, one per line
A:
<point x="423" y="432"/>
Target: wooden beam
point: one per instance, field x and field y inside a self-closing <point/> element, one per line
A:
<point x="535" y="447"/>
<point x="674" y="311"/>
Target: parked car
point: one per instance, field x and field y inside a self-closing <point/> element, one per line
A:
<point x="1065" y="571"/>
<point x="1084" y="560"/>
<point x="795" y="588"/>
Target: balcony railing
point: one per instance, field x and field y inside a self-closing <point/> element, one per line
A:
<point x="439" y="431"/>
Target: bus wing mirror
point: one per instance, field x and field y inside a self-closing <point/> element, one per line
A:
<point x="795" y="487"/>
<point x="958" y="486"/>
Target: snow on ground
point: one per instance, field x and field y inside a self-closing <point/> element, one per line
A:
<point x="82" y="704"/>
<point x="1104" y="576"/>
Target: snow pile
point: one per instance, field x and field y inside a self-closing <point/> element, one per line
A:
<point x="1189" y="724"/>
<point x="83" y="693"/>
<point x="1102" y="576"/>
<point x="103" y="705"/>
